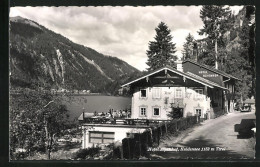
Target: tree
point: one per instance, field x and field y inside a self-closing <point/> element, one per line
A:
<point x="188" y="48"/>
<point x="234" y="45"/>
<point x="36" y="119"/>
<point x="175" y="112"/>
<point x="237" y="65"/>
<point x="161" y="51"/>
<point x="216" y="21"/>
<point x="250" y="15"/>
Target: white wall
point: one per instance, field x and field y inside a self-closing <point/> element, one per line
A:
<point x="188" y="94"/>
<point x="193" y="103"/>
<point x="120" y="133"/>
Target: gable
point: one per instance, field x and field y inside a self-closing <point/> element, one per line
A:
<point x="169" y="77"/>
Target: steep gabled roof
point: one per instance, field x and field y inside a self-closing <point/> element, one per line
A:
<point x="187" y="75"/>
<point x="212" y="69"/>
<point x="205" y="80"/>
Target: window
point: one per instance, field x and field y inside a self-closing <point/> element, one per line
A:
<point x="178" y="93"/>
<point x="142" y="111"/>
<point x="156" y="93"/>
<point x="101" y="137"/>
<point x="166" y="100"/>
<point x="156" y="111"/>
<point x="199" y="93"/>
<point x="198" y="112"/>
<point x="143" y="93"/>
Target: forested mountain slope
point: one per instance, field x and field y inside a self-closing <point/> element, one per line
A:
<point x="41" y="58"/>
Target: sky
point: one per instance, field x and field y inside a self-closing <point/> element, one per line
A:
<point x="122" y="32"/>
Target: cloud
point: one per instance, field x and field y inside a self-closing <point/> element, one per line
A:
<point x="123" y="32"/>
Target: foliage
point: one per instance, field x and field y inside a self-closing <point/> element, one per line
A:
<point x="31" y="113"/>
<point x="217" y="20"/>
<point x="240" y="58"/>
<point x="161" y="51"/>
<point x="238" y="67"/>
<point x="235" y="45"/>
<point x="83" y="153"/>
<point x="175" y="113"/>
<point x="188" y="48"/>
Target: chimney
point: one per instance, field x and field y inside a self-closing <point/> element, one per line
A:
<point x="179" y="65"/>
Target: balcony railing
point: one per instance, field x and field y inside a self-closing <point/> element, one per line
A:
<point x="120" y="121"/>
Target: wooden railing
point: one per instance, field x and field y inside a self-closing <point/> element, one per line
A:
<point x="126" y="121"/>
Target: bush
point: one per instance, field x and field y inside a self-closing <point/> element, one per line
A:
<point x="83" y="153"/>
<point x="18" y="156"/>
<point x="113" y="152"/>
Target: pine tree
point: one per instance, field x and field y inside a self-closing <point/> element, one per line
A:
<point x="250" y="15"/>
<point x="188" y="48"/>
<point x="161" y="51"/>
<point x="216" y="21"/>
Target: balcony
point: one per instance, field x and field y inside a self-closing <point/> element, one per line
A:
<point x="121" y="121"/>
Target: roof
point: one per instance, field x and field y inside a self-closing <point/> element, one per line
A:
<point x="205" y="80"/>
<point x="187" y="75"/>
<point x="212" y="69"/>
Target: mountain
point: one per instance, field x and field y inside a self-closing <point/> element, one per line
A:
<point x="40" y="57"/>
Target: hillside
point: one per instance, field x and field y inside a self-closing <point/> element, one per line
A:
<point x="42" y="58"/>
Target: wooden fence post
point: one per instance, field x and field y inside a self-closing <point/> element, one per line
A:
<point x="129" y="153"/>
<point x="161" y="129"/>
<point x="165" y="127"/>
<point x="140" y="149"/>
<point x="158" y="137"/>
<point x="121" y="151"/>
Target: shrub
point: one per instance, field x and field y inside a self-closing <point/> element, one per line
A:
<point x="18" y="156"/>
<point x="82" y="153"/>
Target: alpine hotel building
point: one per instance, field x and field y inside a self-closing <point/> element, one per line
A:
<point x="195" y="88"/>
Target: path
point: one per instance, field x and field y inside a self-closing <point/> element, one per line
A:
<point x="212" y="133"/>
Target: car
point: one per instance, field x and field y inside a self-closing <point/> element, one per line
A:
<point x="245" y="128"/>
<point x="245" y="109"/>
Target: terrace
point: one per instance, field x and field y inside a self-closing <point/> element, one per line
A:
<point x="87" y="119"/>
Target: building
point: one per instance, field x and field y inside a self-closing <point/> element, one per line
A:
<point x="98" y="131"/>
<point x="219" y="77"/>
<point x="192" y="88"/>
<point x="195" y="88"/>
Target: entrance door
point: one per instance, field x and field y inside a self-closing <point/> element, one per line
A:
<point x="198" y="112"/>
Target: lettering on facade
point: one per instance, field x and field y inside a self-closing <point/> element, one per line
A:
<point x="206" y="75"/>
<point x="203" y="72"/>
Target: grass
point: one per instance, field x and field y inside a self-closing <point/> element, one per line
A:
<point x="65" y="151"/>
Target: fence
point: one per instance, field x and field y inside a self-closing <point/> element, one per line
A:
<point x="136" y="145"/>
